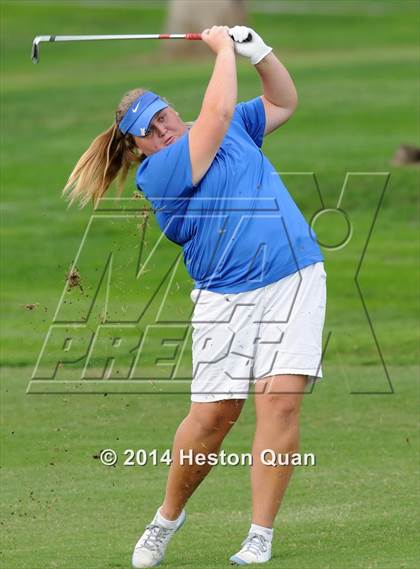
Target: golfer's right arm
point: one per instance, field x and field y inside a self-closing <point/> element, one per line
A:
<point x="218" y="105"/>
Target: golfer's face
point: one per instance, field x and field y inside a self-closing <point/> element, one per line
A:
<point x="165" y="129"/>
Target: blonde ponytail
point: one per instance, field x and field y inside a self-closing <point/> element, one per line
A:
<point x="110" y="156"/>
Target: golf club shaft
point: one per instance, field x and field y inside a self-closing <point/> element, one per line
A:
<point x="39" y="39"/>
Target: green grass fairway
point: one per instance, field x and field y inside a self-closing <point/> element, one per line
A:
<point x="354" y="509"/>
<point x="355" y="65"/>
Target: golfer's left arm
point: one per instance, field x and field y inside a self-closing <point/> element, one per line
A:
<point x="279" y="93"/>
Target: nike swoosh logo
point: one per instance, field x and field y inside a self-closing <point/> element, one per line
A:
<point x="136" y="107"/>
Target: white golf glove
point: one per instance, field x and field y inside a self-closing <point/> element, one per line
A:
<point x="255" y="49"/>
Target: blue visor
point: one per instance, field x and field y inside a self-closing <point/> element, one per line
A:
<point x="137" y="119"/>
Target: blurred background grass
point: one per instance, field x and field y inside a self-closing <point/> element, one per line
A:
<point x="355" y="65"/>
<point x="356" y="76"/>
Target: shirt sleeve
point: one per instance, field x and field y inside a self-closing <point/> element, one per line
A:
<point x="252" y="115"/>
<point x="165" y="177"/>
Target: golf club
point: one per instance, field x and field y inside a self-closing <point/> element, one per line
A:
<point x="38" y="39"/>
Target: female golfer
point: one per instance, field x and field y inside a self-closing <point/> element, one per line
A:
<point x="260" y="285"/>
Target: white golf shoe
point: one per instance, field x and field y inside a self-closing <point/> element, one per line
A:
<point x="255" y="549"/>
<point x="150" y="548"/>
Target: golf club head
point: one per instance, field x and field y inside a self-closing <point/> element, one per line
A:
<point x="36" y="46"/>
<point x="35" y="51"/>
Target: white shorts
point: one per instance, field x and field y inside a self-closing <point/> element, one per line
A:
<point x="240" y="338"/>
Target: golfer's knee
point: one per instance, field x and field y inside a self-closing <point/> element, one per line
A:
<point x="217" y="416"/>
<point x="282" y="408"/>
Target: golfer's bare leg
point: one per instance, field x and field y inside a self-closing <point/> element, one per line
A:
<point x="277" y="404"/>
<point x="203" y="431"/>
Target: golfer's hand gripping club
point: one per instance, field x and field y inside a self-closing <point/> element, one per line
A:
<point x="249" y="44"/>
<point x="217" y="38"/>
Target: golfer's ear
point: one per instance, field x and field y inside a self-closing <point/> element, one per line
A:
<point x="137" y="141"/>
<point x="205" y="138"/>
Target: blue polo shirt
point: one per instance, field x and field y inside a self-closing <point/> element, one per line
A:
<point x="239" y="227"/>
